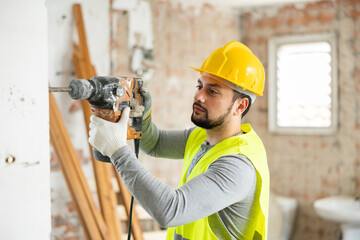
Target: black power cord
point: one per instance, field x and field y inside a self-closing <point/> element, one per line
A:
<point x="130" y="217"/>
<point x="136" y="146"/>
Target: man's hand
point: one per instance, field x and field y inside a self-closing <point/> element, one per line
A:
<point x="147" y="103"/>
<point x="107" y="137"/>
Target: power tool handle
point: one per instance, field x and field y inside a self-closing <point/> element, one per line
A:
<point x="98" y="156"/>
<point x="114" y="116"/>
<point x="131" y="134"/>
<point x="108" y="115"/>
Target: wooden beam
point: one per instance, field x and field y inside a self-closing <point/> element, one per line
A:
<point x="68" y="162"/>
<point x="136" y="229"/>
<point x="85" y="70"/>
<point x="80" y="26"/>
<point x="107" y="198"/>
<point x="106" y="195"/>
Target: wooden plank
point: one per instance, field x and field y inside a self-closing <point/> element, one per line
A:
<point x="79" y="175"/>
<point x="85" y="70"/>
<point x="80" y="26"/>
<point x="106" y="195"/>
<point x="63" y="170"/>
<point x="72" y="193"/>
<point x="101" y="184"/>
<point x="107" y="198"/>
<point x="136" y="229"/>
<point x="67" y="158"/>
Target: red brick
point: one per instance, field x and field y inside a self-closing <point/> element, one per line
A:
<point x="284" y="31"/>
<point x="208" y="6"/>
<point x="326" y="18"/>
<point x="292" y="21"/>
<point x="318" y="28"/>
<point x="307" y="19"/>
<point x="261" y="41"/>
<point x="70" y="228"/>
<point x="320" y="195"/>
<point x="324" y="145"/>
<point x="356" y="13"/>
<point x="306" y="196"/>
<point x="274" y="22"/>
<point x="262" y="23"/>
<point x="357" y="77"/>
<point x="325" y="183"/>
<point x="71" y="207"/>
<point x="337" y="170"/>
<point x="320" y="5"/>
<point x="350" y="2"/>
<point x="286" y="9"/>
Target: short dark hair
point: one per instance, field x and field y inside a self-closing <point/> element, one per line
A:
<point x="238" y="95"/>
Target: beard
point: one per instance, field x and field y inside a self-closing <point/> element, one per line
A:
<point x="207" y="123"/>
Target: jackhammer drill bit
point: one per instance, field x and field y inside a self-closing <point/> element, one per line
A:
<point x="78" y="89"/>
<point x="60" y="89"/>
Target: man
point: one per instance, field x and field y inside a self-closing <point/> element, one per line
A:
<point x="224" y="186"/>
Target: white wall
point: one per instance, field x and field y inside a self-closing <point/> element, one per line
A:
<point x="36" y="49"/>
<point x="24" y="122"/>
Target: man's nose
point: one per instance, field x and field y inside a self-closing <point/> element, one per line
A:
<point x="199" y="96"/>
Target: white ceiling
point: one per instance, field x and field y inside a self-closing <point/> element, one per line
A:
<point x="242" y="3"/>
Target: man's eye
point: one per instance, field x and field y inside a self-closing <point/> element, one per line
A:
<point x="213" y="92"/>
<point x="198" y="87"/>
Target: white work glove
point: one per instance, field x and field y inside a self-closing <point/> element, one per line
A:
<point x="107" y="137"/>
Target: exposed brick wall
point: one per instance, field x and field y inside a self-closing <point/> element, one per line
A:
<point x="303" y="167"/>
<point x="311" y="167"/>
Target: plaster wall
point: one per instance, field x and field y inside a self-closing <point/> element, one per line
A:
<point x="24" y="181"/>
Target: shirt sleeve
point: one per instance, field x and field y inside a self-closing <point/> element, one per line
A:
<point x="163" y="143"/>
<point x="228" y="180"/>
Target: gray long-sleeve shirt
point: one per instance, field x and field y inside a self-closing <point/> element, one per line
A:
<point x="225" y="191"/>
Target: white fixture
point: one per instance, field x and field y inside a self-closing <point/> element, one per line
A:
<point x="282" y="213"/>
<point x="344" y="210"/>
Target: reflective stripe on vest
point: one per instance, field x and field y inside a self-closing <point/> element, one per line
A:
<point x="249" y="145"/>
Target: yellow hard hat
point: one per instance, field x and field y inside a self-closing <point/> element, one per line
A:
<point x="236" y="63"/>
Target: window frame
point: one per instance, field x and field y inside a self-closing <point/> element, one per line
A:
<point x="273" y="45"/>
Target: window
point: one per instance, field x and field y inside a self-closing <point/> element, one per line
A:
<point x="302" y="84"/>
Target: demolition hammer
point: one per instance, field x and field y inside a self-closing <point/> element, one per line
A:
<point x="108" y="97"/>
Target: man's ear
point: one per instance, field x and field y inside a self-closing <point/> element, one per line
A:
<point x="241" y="105"/>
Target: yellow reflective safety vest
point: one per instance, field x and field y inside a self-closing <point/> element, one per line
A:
<point x="247" y="144"/>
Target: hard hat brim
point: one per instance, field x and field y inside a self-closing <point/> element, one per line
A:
<point x="203" y="70"/>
